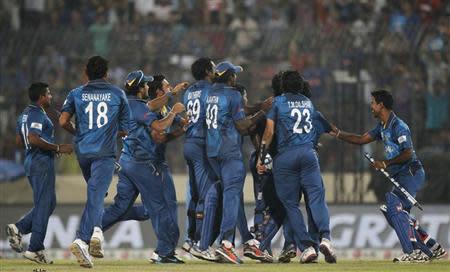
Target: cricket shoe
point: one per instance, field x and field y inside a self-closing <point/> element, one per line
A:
<point x="14" y="238"/>
<point x="308" y="255"/>
<point x="252" y="251"/>
<point x="327" y="250"/>
<point x="206" y="255"/>
<point x="81" y="251"/>
<point x="38" y="257"/>
<point x="438" y="252"/>
<point x="187" y="245"/>
<point x="95" y="244"/>
<point x="287" y="254"/>
<point x="227" y="253"/>
<point x="172" y="259"/>
<point x="415" y="257"/>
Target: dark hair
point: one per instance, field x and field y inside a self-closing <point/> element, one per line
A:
<point x="385" y="97"/>
<point x="292" y="82"/>
<point x="155" y="85"/>
<point x="96" y="68"/>
<point x="276" y="84"/>
<point x="241" y="89"/>
<point x="37" y="90"/>
<point x="200" y="68"/>
<point x="306" y="89"/>
<point x="225" y="77"/>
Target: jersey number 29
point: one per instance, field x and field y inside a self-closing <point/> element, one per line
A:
<point x="305" y="113"/>
<point x="102" y="118"/>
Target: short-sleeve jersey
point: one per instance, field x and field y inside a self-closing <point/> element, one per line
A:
<point x="138" y="144"/>
<point x="322" y="126"/>
<point x="35" y="120"/>
<point x="293" y="115"/>
<point x="396" y="137"/>
<point x="224" y="106"/>
<point x="101" y="110"/>
<point x="194" y="101"/>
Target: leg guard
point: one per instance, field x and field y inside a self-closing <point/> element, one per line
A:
<point x="400" y="222"/>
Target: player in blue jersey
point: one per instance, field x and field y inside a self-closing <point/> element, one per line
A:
<point x="145" y="172"/>
<point x="35" y="133"/>
<point x="102" y="114"/>
<point x="296" y="166"/>
<point x="226" y="123"/>
<point x="201" y="176"/>
<point x="403" y="165"/>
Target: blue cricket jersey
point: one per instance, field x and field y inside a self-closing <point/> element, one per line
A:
<point x="139" y="145"/>
<point x="35" y="120"/>
<point x="322" y="126"/>
<point x="293" y="115"/>
<point x="101" y="110"/>
<point x="396" y="137"/>
<point x="224" y="106"/>
<point x="194" y="100"/>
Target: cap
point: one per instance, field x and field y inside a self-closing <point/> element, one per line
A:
<point x="225" y="66"/>
<point x="135" y="78"/>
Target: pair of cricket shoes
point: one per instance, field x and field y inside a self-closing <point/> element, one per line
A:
<point x="226" y="253"/>
<point x="417" y="256"/>
<point x="82" y="251"/>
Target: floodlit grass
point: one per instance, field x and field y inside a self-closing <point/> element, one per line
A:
<point x="198" y="266"/>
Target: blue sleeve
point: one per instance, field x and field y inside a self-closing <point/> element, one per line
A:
<point x="69" y="104"/>
<point x="19" y="124"/>
<point x="321" y="121"/>
<point x="375" y="133"/>
<point x="272" y="114"/>
<point x="35" y="123"/>
<point x="146" y="117"/>
<point x="124" y="113"/>
<point x="237" y="107"/>
<point x="403" y="137"/>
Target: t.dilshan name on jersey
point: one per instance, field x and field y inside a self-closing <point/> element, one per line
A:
<point x="299" y="104"/>
<point x="96" y="96"/>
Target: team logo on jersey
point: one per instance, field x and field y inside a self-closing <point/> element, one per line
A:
<point x="36" y="126"/>
<point x="402" y="139"/>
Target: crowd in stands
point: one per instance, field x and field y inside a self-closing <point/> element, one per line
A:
<point x="345" y="48"/>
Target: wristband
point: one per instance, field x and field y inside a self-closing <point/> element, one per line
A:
<point x="339" y="132"/>
<point x="384" y="164"/>
<point x="57" y="148"/>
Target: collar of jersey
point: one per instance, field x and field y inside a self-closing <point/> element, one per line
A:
<point x="97" y="81"/>
<point x="390" y="120"/>
<point x="38" y="107"/>
<point x="133" y="97"/>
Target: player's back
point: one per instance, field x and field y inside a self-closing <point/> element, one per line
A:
<point x="34" y="120"/>
<point x="101" y="109"/>
<point x="223" y="108"/>
<point x="194" y="100"/>
<point x="293" y="114"/>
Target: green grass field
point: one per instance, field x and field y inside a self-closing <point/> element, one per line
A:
<point x="142" y="265"/>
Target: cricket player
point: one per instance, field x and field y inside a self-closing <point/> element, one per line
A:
<point x="296" y="166"/>
<point x="201" y="176"/>
<point x="403" y="165"/>
<point x="226" y="122"/>
<point x="145" y="172"/>
<point x="102" y="114"/>
<point x="35" y="132"/>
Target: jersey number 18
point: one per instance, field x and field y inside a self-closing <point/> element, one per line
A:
<point x="102" y="118"/>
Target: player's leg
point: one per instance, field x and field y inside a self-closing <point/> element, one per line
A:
<point x="314" y="192"/>
<point x="158" y="196"/>
<point x="44" y="198"/>
<point x="287" y="184"/>
<point x="232" y="172"/>
<point x="191" y="205"/>
<point x="122" y="208"/>
<point x="289" y="249"/>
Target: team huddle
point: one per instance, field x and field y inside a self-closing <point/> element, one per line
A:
<point x="214" y="116"/>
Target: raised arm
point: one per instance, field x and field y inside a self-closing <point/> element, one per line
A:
<point x="351" y="137"/>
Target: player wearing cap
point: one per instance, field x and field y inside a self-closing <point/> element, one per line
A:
<point x="226" y="122"/>
<point x="35" y="133"/>
<point x="102" y="114"/>
<point x="142" y="171"/>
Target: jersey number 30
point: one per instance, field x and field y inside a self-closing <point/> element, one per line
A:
<point x="102" y="118"/>
<point x="298" y="114"/>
